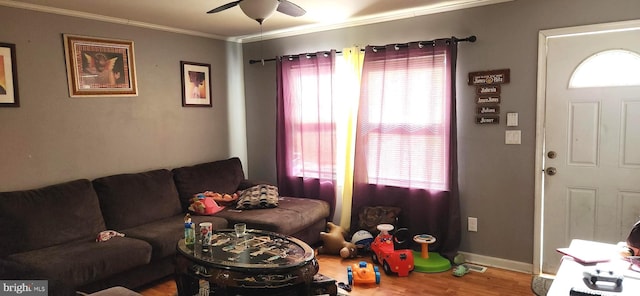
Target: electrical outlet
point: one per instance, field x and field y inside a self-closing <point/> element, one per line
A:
<point x="472" y="224"/>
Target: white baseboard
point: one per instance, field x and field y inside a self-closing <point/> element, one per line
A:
<point x="498" y="262"/>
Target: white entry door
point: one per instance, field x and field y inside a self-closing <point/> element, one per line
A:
<point x="591" y="145"/>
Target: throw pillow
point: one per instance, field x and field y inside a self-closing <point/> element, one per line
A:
<point x="258" y="197"/>
<point x="371" y="217"/>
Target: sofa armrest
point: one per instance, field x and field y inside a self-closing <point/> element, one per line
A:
<point x="13" y="270"/>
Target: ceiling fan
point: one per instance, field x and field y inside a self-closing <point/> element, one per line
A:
<point x="260" y="10"/>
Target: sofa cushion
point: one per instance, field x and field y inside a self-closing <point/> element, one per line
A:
<point x="129" y="200"/>
<point x="293" y="214"/>
<point x="223" y="176"/>
<point x="163" y="235"/>
<point x="258" y="197"/>
<point x="48" y="216"/>
<point x="81" y="262"/>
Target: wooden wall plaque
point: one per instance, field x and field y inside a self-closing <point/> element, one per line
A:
<point x="488" y="89"/>
<point x="489" y="77"/>
<point x="488" y="119"/>
<point x="488" y="100"/>
<point x="487" y="109"/>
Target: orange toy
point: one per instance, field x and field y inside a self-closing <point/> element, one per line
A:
<point x="363" y="273"/>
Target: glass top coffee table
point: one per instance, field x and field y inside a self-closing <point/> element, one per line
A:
<point x="259" y="261"/>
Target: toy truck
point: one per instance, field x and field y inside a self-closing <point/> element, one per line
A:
<point x="384" y="252"/>
<point x="363" y="273"/>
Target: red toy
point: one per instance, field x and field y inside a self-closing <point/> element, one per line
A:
<point x="384" y="252"/>
<point x="363" y="273"/>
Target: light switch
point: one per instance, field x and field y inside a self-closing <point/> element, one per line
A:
<point x="512" y="119"/>
<point x="512" y="137"/>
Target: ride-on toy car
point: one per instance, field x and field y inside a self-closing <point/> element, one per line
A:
<point x="384" y="251"/>
<point x="363" y="273"/>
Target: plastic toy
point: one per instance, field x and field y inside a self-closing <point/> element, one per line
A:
<point x="362" y="239"/>
<point x="384" y="252"/>
<point x="363" y="273"/>
<point x="334" y="243"/>
<point x="204" y="205"/>
<point x="222" y="199"/>
<point x="426" y="261"/>
<point x="460" y="270"/>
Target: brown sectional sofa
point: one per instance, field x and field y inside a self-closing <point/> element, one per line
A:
<point x="50" y="232"/>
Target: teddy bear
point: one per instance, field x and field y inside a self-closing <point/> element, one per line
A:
<point x="335" y="244"/>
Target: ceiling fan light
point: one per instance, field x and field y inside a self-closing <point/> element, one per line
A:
<point x="259" y="10"/>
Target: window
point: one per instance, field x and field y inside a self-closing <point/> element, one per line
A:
<point x="406" y="126"/>
<point x="616" y="67"/>
<point x="315" y="103"/>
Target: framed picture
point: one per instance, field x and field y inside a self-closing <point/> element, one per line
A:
<point x="196" y="84"/>
<point x="98" y="67"/>
<point x="8" y="76"/>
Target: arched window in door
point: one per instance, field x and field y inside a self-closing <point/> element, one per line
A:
<point x="615" y="67"/>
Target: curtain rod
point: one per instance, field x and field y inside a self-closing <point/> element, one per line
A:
<point x="471" y="39"/>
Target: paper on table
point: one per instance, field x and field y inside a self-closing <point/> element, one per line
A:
<point x="585" y="256"/>
<point x="588" y="252"/>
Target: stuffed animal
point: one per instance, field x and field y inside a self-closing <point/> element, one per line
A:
<point x="334" y="243"/>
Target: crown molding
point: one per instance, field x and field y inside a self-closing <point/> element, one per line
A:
<point x="366" y="20"/>
<point x="299" y="30"/>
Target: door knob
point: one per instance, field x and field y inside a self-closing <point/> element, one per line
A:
<point x="551" y="171"/>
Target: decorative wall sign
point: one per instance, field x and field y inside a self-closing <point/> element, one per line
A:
<point x="487" y="84"/>
<point x="488" y="110"/>
<point x="488" y="90"/>
<point x="489" y="119"/>
<point x="489" y="77"/>
<point x="488" y="100"/>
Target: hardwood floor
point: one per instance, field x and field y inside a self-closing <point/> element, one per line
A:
<point x="492" y="282"/>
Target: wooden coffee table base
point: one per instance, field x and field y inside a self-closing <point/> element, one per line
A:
<point x="226" y="282"/>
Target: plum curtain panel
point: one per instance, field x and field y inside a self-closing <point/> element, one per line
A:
<point x="405" y="151"/>
<point x="305" y="132"/>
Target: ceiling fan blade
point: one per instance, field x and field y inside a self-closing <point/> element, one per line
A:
<point x="224" y="7"/>
<point x="290" y="8"/>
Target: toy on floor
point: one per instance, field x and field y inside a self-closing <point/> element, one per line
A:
<point x="384" y="251"/>
<point x="334" y="243"/>
<point x="460" y="270"/>
<point x="362" y="239"/>
<point x="363" y="273"/>
<point x="426" y="261"/>
<point x="424" y="240"/>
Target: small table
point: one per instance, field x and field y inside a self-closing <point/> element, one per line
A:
<point x="260" y="262"/>
<point x="570" y="273"/>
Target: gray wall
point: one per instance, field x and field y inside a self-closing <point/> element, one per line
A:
<point x="496" y="180"/>
<point x="52" y="138"/>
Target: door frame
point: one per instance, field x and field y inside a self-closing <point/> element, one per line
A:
<point x="543" y="38"/>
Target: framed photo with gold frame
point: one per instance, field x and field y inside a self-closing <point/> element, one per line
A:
<point x="8" y="76"/>
<point x="99" y="67"/>
<point x="196" y="84"/>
